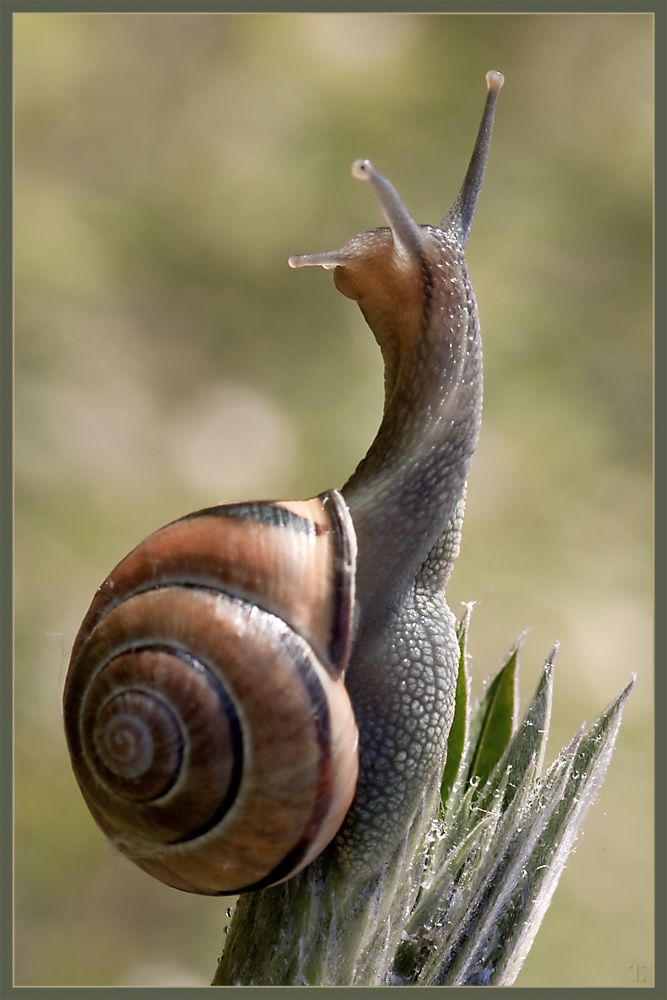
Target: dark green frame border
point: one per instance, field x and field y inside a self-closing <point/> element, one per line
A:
<point x="10" y="7"/>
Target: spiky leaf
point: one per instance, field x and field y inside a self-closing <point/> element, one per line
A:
<point x="529" y="740"/>
<point x="497" y="862"/>
<point x="494" y="717"/>
<point x="588" y="763"/>
<point x="458" y="734"/>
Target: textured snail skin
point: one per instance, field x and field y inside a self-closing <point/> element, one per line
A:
<point x="402" y="676"/>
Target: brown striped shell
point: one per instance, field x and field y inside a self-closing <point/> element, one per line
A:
<point x="206" y="715"/>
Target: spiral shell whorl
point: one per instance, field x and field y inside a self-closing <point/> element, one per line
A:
<point x="132" y="730"/>
<point x="212" y="737"/>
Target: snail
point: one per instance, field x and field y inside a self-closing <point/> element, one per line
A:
<point x="257" y="683"/>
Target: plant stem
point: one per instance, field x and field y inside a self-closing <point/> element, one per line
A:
<point x="325" y="928"/>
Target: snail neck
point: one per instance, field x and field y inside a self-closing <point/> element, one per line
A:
<point x="406" y="496"/>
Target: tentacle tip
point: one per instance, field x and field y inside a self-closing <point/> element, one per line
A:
<point x="362" y="170"/>
<point x="329" y="260"/>
<point x="494" y="80"/>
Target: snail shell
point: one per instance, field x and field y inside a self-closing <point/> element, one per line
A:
<point x="206" y="715"/>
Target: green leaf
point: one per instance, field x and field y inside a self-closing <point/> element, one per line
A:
<point x="496" y="851"/>
<point x="435" y="898"/>
<point x="504" y="897"/>
<point x="495" y="893"/>
<point x="493" y="718"/>
<point x="458" y="734"/>
<point x="529" y="741"/>
<point x="588" y="762"/>
<point x="454" y="827"/>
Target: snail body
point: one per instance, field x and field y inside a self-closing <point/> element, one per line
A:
<point x="255" y="680"/>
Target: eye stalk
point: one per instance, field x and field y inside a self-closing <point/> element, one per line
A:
<point x="459" y="218"/>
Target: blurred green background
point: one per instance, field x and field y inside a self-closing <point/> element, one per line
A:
<point x="167" y="359"/>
